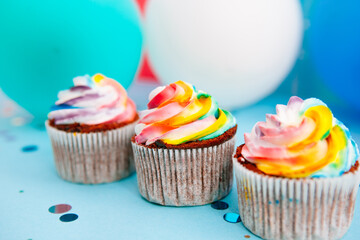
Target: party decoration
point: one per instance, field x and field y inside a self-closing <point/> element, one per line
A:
<point x="232" y="217"/>
<point x="60" y="208"/>
<point x="220" y="205"/>
<point x="7" y="107"/>
<point x="142" y="5"/>
<point x="240" y="51"/>
<point x="6" y="135"/>
<point x="145" y="74"/>
<point x="69" y="217"/>
<point x="47" y="43"/>
<point x="334" y="37"/>
<point x="29" y="148"/>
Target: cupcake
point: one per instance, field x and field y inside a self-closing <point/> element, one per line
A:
<point x="183" y="147"/>
<point x="298" y="174"/>
<point x="90" y="128"/>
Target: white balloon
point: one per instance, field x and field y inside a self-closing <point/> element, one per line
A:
<point x="239" y="51"/>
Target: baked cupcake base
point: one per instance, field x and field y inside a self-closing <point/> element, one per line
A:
<point x="99" y="157"/>
<point x="184" y="176"/>
<point x="308" y="208"/>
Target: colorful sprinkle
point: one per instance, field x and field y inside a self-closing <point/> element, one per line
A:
<point x="60" y="208"/>
<point x="21" y="191"/>
<point x="247" y="236"/>
<point x="69" y="217"/>
<point x="29" y="148"/>
<point x="220" y="205"/>
<point x="232" y="217"/>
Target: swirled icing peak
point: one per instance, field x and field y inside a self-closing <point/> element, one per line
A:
<point x="303" y="139"/>
<point x="178" y="113"/>
<point x="93" y="100"/>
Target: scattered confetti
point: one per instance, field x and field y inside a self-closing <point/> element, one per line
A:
<point x="18" y="121"/>
<point x="7" y="107"/>
<point x="29" y="148"/>
<point x="69" y="217"/>
<point x="232" y="217"/>
<point x="10" y="138"/>
<point x="247" y="236"/>
<point x="6" y="135"/>
<point x="21" y="191"/>
<point x="220" y="205"/>
<point x="60" y="208"/>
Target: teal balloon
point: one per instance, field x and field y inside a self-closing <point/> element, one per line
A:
<point x="45" y="44"/>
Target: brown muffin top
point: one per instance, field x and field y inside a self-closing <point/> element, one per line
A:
<point x="194" y="144"/>
<point x="252" y="167"/>
<point x="83" y="128"/>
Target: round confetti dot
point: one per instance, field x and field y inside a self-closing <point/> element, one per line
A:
<point x="69" y="217"/>
<point x="10" y="138"/>
<point x="60" y="208"/>
<point x="29" y="148"/>
<point x="6" y="135"/>
<point x="18" y="121"/>
<point x="219" y="205"/>
<point x="232" y="217"/>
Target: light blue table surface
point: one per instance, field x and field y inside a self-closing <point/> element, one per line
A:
<point x="108" y="211"/>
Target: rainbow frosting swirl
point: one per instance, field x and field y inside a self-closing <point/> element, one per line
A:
<point x="93" y="100"/>
<point x="178" y="113"/>
<point x="303" y="139"/>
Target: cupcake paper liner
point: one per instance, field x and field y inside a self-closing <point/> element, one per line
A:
<point x="184" y="177"/>
<point x="281" y="208"/>
<point x="97" y="157"/>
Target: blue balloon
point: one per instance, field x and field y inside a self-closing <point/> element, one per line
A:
<point x="334" y="41"/>
<point x="45" y="44"/>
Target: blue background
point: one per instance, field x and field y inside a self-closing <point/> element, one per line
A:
<point x="328" y="68"/>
